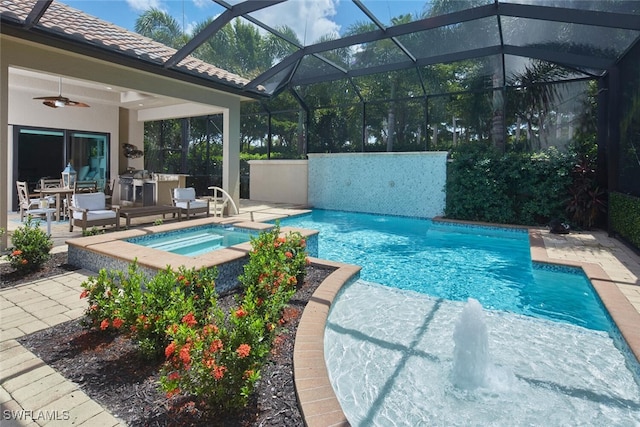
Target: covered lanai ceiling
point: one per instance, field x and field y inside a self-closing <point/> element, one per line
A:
<point x="587" y="37"/>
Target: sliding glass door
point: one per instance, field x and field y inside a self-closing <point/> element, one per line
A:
<point x="43" y="153"/>
<point x="89" y="156"/>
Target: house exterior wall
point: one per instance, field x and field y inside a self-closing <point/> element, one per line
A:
<point x="406" y="184"/>
<point x="283" y="181"/>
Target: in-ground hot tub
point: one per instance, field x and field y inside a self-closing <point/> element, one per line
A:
<point x="229" y="240"/>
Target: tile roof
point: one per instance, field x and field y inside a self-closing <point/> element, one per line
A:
<point x="75" y="24"/>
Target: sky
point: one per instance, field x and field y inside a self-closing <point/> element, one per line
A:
<point x="310" y="19"/>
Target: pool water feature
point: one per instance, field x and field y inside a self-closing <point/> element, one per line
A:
<point x="390" y="354"/>
<point x="195" y="241"/>
<point x="553" y="356"/>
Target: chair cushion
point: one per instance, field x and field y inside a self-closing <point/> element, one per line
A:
<point x="184" y="193"/>
<point x="89" y="201"/>
<point x="192" y="205"/>
<point x="82" y="174"/>
<point x="95" y="214"/>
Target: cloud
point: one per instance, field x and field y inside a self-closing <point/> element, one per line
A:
<point x="142" y="5"/>
<point x="309" y="19"/>
<point x="202" y="4"/>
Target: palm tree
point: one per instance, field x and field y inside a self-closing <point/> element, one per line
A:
<point x="535" y="95"/>
<point x="161" y="27"/>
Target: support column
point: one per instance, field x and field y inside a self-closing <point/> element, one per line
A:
<point x="231" y="151"/>
<point x="4" y="149"/>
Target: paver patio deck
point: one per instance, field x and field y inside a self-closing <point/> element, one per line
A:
<point x="33" y="394"/>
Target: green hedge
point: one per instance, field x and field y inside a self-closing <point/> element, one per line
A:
<point x="512" y="188"/>
<point x="624" y="213"/>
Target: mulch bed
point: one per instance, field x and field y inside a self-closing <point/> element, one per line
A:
<point x="109" y="369"/>
<point x="57" y="264"/>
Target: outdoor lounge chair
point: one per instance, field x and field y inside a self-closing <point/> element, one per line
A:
<point x="185" y="199"/>
<point x="89" y="210"/>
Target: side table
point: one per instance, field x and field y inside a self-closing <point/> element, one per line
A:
<point x="47" y="212"/>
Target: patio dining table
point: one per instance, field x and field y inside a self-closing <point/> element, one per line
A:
<point x="58" y="192"/>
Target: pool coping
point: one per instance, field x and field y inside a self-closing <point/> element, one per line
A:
<point x="317" y="400"/>
<point x="115" y="245"/>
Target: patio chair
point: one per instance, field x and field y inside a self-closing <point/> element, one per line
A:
<point x="25" y="202"/>
<point x="51" y="183"/>
<point x="108" y="191"/>
<point x="90" y="210"/>
<point x="86" y="187"/>
<point x="185" y="199"/>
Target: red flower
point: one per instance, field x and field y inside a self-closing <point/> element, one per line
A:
<point x="218" y="372"/>
<point x="240" y="312"/>
<point x="170" y="349"/>
<point x="173" y="376"/>
<point x="24" y="261"/>
<point x="94" y="307"/>
<point x="215" y="346"/>
<point x="104" y="324"/>
<point x="288" y="254"/>
<point x="84" y="294"/>
<point x="117" y="322"/>
<point x="189" y="320"/>
<point x="243" y="350"/>
<point x="247" y="374"/>
<point x="184" y="355"/>
<point x="16" y="252"/>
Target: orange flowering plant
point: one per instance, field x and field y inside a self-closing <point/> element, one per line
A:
<point x="276" y="261"/>
<point x="31" y="247"/>
<point x="221" y="361"/>
<point x="145" y="307"/>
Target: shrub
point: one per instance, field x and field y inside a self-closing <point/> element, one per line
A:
<point x="212" y="355"/>
<point x="93" y="231"/>
<point x="31" y="247"/>
<point x="274" y="260"/>
<point x="220" y="362"/>
<point x="146" y="308"/>
<point x="624" y="210"/>
<point x="515" y="188"/>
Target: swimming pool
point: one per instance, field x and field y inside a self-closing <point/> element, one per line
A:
<point x="389" y="348"/>
<point x="456" y="262"/>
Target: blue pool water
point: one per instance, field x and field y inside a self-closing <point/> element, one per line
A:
<point x="456" y="262"/>
<point x="552" y="357"/>
<point x="195" y="240"/>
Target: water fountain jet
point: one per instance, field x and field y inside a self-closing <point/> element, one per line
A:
<point x="471" y="352"/>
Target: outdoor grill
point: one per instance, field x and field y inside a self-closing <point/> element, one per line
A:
<point x="137" y="188"/>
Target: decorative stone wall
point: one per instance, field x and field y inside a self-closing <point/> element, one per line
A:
<point x="406" y="184"/>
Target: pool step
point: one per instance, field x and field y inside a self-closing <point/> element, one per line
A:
<point x="189" y="241"/>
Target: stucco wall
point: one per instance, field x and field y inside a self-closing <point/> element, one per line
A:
<point x="283" y="181"/>
<point x="407" y="184"/>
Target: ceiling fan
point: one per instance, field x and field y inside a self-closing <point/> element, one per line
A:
<point x="60" y="101"/>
